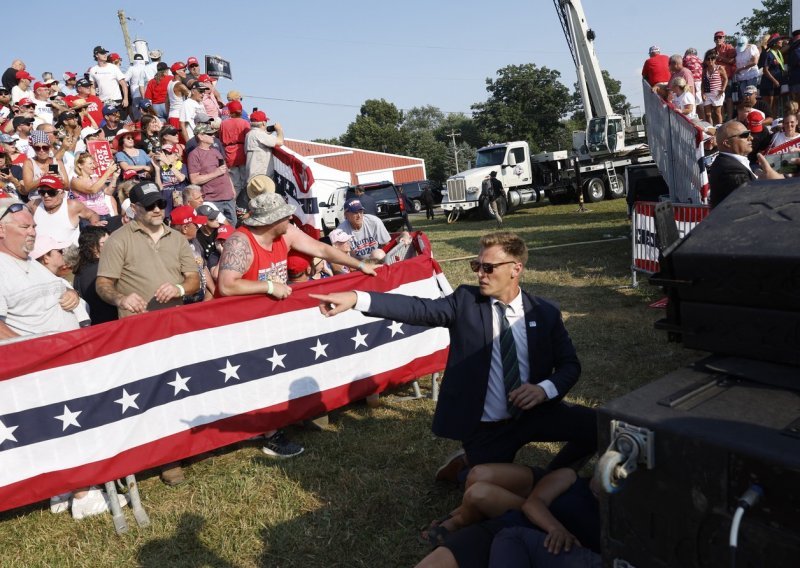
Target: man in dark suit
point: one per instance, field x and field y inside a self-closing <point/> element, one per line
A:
<point x="731" y="168"/>
<point x="492" y="417"/>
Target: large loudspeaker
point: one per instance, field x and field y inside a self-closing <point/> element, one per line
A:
<point x="711" y="437"/>
<point x="734" y="281"/>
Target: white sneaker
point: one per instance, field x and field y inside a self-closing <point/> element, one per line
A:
<point x="60" y="503"/>
<point x="94" y="502"/>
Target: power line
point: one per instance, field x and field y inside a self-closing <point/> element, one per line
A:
<point x="344" y="105"/>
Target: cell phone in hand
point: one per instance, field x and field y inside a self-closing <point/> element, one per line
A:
<point x="53" y="168"/>
<point x="220" y="162"/>
<point x="271" y="128"/>
<point x="5" y="171"/>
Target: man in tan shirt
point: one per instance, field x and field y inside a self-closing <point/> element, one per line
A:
<point x="145" y="265"/>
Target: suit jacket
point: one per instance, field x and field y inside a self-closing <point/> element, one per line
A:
<point x="468" y="316"/>
<point x="725" y="175"/>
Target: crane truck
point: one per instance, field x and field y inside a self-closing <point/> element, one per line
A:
<point x="593" y="169"/>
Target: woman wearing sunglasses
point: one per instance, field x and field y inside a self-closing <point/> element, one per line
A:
<point x="43" y="162"/>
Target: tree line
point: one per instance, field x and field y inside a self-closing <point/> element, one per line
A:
<point x="525" y="102"/>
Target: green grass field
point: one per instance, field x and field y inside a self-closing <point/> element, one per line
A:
<point x="364" y="486"/>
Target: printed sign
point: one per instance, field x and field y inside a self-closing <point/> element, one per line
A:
<point x="218" y="67"/>
<point x="102" y="155"/>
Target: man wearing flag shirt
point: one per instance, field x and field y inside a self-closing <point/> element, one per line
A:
<point x="254" y="261"/>
<point x="510" y="363"/>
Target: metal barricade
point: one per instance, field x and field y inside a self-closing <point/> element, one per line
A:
<point x="676" y="146"/>
<point x="643" y="236"/>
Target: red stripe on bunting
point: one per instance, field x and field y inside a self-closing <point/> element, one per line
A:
<point x="213" y="435"/>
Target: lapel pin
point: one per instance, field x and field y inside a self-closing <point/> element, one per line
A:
<point x="531" y="324"/>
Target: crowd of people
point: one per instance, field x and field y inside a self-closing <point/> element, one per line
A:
<point x="130" y="192"/>
<point x="745" y="97"/>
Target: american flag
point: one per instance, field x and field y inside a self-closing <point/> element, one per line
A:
<point x="94" y="404"/>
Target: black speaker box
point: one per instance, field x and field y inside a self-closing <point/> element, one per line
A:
<point x="747" y="251"/>
<point x="713" y="436"/>
<point x="757" y="333"/>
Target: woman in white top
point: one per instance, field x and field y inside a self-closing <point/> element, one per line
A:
<point x="683" y="100"/>
<point x="788" y="132"/>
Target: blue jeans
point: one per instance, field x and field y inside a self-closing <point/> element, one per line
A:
<point x="227" y="208"/>
<point x="161" y="111"/>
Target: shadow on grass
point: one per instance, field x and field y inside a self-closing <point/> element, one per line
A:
<point x="373" y="482"/>
<point x="184" y="548"/>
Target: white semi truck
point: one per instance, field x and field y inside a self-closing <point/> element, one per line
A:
<point x="591" y="170"/>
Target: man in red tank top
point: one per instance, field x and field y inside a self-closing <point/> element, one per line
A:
<point x="254" y="262"/>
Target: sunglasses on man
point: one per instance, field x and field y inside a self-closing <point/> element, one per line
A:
<point x="487" y="267"/>
<point x="161" y="204"/>
<point x="13" y="208"/>
<point x="49" y="192"/>
<point x="743" y="135"/>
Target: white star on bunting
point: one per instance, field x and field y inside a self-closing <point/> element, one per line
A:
<point x="360" y="339"/>
<point x="69" y="418"/>
<point x="276" y="360"/>
<point x="128" y="401"/>
<point x="179" y="384"/>
<point x="7" y="432"/>
<point x="319" y="350"/>
<point x="231" y="371"/>
<point x="396" y="327"/>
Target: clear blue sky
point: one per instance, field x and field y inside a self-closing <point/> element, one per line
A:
<point x="411" y="53"/>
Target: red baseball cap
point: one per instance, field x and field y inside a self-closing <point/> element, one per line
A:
<point x="24" y="75"/>
<point x="40" y="85"/>
<point x="129" y="174"/>
<point x="192" y="61"/>
<point x="258" y="116"/>
<point x="51" y="181"/>
<point x="235" y="106"/>
<point x="224" y="231"/>
<point x="114" y="57"/>
<point x="25" y="101"/>
<point x="177" y="66"/>
<point x="718" y="34"/>
<point x="185" y="214"/>
<point x="754" y="121"/>
<point x="297" y="263"/>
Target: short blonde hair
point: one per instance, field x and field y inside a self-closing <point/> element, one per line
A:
<point x="234" y="96"/>
<point x="511" y="243"/>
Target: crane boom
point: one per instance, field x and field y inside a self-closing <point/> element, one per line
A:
<point x="580" y="40"/>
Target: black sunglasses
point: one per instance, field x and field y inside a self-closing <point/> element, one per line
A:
<point x="743" y="135"/>
<point x="161" y="204"/>
<point x="44" y="148"/>
<point x="487" y="267"/>
<point x="13" y="208"/>
<point x="49" y="192"/>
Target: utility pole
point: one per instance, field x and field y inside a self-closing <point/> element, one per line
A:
<point x="453" y="135"/>
<point x="123" y="23"/>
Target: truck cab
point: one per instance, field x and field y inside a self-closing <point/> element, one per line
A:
<point x="511" y="161"/>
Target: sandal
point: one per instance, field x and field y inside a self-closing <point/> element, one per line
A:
<point x="426" y="533"/>
<point x="437" y="535"/>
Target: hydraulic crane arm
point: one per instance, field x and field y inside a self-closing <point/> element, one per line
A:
<point x="580" y="40"/>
